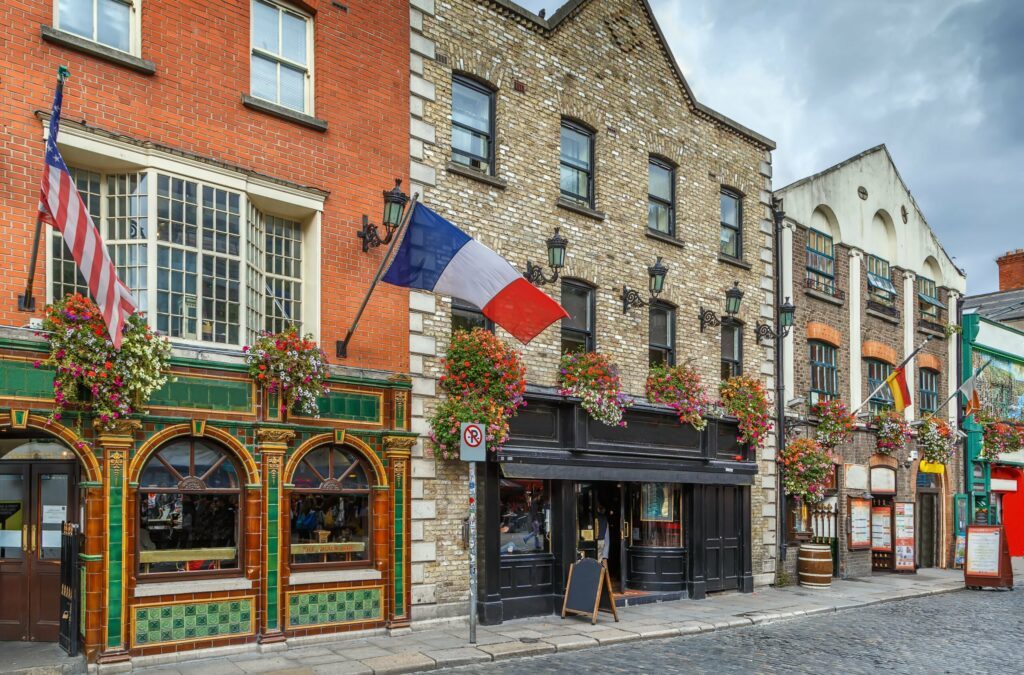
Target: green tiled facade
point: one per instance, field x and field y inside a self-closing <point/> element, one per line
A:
<point x="115" y="551"/>
<point x="202" y="393"/>
<point x="332" y="607"/>
<point x="399" y="545"/>
<point x="23" y="379"/>
<point x="350" y="407"/>
<point x="273" y="549"/>
<point x="159" y="624"/>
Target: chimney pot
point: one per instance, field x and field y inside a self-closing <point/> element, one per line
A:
<point x="1011" y="270"/>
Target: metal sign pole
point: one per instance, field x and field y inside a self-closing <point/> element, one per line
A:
<point x="472" y="553"/>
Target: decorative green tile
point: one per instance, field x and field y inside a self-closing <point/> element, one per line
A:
<point x="350" y="406"/>
<point x="323" y="607"/>
<point x="201" y="393"/>
<point x="173" y="623"/>
<point x="21" y="378"/>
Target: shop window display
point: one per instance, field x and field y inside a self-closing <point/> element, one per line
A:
<point x="525" y="516"/>
<point x="657" y="515"/>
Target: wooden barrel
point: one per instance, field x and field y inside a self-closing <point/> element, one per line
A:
<point x="814" y="566"/>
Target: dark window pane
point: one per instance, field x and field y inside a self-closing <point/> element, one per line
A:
<point x="730" y="244"/>
<point x="576" y="147"/>
<point x="525" y="516"/>
<point x="576" y="301"/>
<point x="730" y="209"/>
<point x="658" y="331"/>
<point x="329" y="527"/>
<point x="191" y="531"/>
<point x="471" y="107"/>
<point x="659" y="181"/>
<point x="573" y="342"/>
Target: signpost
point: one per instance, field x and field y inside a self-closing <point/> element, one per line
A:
<point x="472" y="449"/>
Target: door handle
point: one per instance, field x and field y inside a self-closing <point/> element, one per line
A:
<point x="32" y="540"/>
<point x="24" y="537"/>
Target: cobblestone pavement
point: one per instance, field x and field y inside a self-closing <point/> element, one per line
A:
<point x="965" y="632"/>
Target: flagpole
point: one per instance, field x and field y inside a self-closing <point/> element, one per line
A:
<point x="958" y="391"/>
<point x="885" y="381"/>
<point x="342" y="346"/>
<point x="27" y="303"/>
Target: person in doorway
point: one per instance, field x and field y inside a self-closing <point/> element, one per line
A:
<point x="534" y="534"/>
<point x="603" y="536"/>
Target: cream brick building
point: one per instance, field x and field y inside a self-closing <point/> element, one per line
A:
<point x="597" y="76"/>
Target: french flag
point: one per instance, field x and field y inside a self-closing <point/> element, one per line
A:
<point x="439" y="257"/>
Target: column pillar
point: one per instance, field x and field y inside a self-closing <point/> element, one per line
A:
<point x="116" y="440"/>
<point x="272" y="444"/>
<point x="853" y="295"/>
<point x="909" y="303"/>
<point x="952" y="343"/>
<point x="397" y="452"/>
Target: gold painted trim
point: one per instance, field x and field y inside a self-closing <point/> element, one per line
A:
<point x="252" y="621"/>
<point x="340" y="589"/>
<point x="329" y="439"/>
<point x="161" y="437"/>
<point x="344" y="390"/>
<point x="88" y="459"/>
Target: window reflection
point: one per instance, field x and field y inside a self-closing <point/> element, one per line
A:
<point x="525" y="516"/>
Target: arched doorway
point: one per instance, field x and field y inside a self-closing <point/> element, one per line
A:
<point x="39" y="479"/>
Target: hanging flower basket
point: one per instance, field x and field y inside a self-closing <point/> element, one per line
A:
<point x="593" y="379"/>
<point x="680" y="388"/>
<point x="484" y="381"/>
<point x="806" y="467"/>
<point x="93" y="376"/>
<point x="999" y="436"/>
<point x="835" y="424"/>
<point x="892" y="433"/>
<point x="290" y="365"/>
<point x="936" y="440"/>
<point x="746" y="399"/>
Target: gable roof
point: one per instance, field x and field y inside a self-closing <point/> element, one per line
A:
<point x="998" y="306"/>
<point x="571" y="9"/>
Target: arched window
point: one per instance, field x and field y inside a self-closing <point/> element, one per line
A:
<point x="330" y="509"/>
<point x="190" y="502"/>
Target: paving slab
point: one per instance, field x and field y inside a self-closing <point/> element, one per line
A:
<point x="507" y="650"/>
<point x="445" y="658"/>
<point x="565" y="643"/>
<point x="343" y="668"/>
<point x="409" y="662"/>
<point x="611" y="636"/>
<point x="265" y="664"/>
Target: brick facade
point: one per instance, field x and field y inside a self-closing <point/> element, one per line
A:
<point x="585" y="63"/>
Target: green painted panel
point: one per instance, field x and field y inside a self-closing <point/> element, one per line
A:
<point x="205" y="394"/>
<point x="322" y="607"/>
<point x="114" y="553"/>
<point x="21" y="378"/>
<point x="157" y="624"/>
<point x="399" y="549"/>
<point x="350" y="406"/>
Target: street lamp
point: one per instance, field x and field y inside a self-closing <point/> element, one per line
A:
<point x="733" y="299"/>
<point x="656" y="284"/>
<point x="394" y="208"/>
<point x="785" y="323"/>
<point x="556" y="261"/>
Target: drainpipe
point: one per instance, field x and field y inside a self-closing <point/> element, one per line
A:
<point x="780" y="385"/>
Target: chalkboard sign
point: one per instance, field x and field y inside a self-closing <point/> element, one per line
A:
<point x="588" y="590"/>
<point x="988" y="558"/>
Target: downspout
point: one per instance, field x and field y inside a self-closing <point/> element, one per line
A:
<point x="780" y="386"/>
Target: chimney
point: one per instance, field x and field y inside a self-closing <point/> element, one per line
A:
<point x="1011" y="270"/>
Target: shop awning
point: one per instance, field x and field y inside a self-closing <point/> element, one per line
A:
<point x="634" y="475"/>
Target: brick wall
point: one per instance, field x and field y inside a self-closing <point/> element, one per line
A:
<point x="601" y="66"/>
<point x="192" y="104"/>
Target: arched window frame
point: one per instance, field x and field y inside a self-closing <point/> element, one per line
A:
<point x="192" y="485"/>
<point x="333" y="487"/>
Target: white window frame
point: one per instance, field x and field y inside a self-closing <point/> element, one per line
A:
<point x="308" y="67"/>
<point x="86" y="150"/>
<point x="134" y="25"/>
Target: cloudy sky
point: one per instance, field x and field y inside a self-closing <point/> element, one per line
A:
<point x="940" y="82"/>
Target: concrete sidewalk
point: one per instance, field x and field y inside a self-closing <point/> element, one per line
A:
<point x="444" y="645"/>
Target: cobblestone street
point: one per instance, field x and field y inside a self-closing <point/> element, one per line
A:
<point x="921" y="635"/>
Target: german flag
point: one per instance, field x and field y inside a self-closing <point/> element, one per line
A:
<point x="900" y="391"/>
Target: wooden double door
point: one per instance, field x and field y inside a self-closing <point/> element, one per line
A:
<point x="35" y="499"/>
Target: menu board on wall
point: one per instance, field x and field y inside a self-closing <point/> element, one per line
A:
<point x="860" y="524"/>
<point x="883" y="480"/>
<point x="881" y="528"/>
<point x="905" y="536"/>
<point x="983" y="547"/>
<point x="856" y="476"/>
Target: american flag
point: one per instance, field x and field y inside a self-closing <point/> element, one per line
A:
<point x="61" y="206"/>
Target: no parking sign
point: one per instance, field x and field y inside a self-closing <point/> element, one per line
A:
<point x="473" y="447"/>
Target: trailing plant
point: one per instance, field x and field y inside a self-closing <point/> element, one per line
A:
<point x="484" y="380"/>
<point x="290" y="365"/>
<point x="998" y="436"/>
<point x="746" y="399"/>
<point x="835" y="423"/>
<point x="680" y="388"/>
<point x="936" y="440"/>
<point x="951" y="329"/>
<point x="595" y="381"/>
<point x="91" y="374"/>
<point x="892" y="433"/>
<point x="805" y="469"/>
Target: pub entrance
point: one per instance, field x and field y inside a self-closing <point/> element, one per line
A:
<point x="599" y="526"/>
<point x="723" y="537"/>
<point x="38" y="481"/>
<point x="928" y="514"/>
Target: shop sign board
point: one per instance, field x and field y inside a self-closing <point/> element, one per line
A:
<point x="987" y="561"/>
<point x="859" y="534"/>
<point x="883" y="480"/>
<point x="904" y="526"/>
<point x="881" y="528"/>
<point x="588" y="590"/>
<point x="856" y="476"/>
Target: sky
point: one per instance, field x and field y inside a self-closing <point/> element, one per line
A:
<point x="940" y="82"/>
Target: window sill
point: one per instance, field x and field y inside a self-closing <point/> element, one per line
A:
<point x="144" y="590"/>
<point x="825" y="297"/>
<point x="884" y="317"/>
<point x="667" y="238"/>
<point x="281" y="112"/>
<point x="480" y="176"/>
<point x="333" y="576"/>
<point x="80" y="44"/>
<point x="925" y="329"/>
<point x="569" y="205"/>
<point x="735" y="262"/>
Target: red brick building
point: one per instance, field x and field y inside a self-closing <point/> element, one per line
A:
<point x="228" y="152"/>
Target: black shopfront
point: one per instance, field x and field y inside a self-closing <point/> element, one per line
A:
<point x="668" y="506"/>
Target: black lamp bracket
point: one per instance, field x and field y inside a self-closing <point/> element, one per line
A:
<point x="631" y="298"/>
<point x="535" y="275"/>
<point x="765" y="332"/>
<point x="371" y="237"/>
<point x="708" y="318"/>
